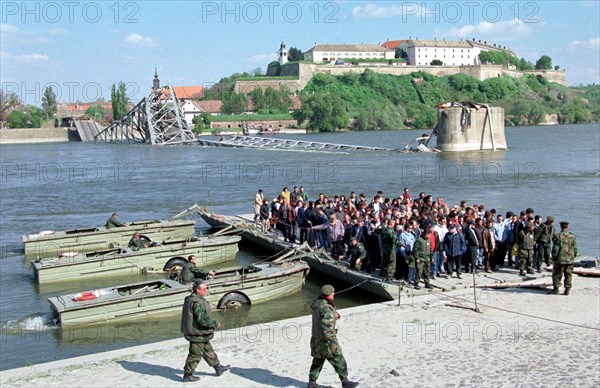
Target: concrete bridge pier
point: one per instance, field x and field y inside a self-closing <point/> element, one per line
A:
<point x="465" y="128"/>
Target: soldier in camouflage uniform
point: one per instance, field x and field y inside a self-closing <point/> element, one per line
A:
<point x="526" y="244"/>
<point x="198" y="328"/>
<point x="112" y="222"/>
<point x="422" y="256"/>
<point x="544" y="240"/>
<point x="563" y="257"/>
<point x="323" y="342"/>
<point x="389" y="242"/>
<point x="356" y="254"/>
<point x="189" y="272"/>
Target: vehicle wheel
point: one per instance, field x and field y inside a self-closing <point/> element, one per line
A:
<point x="233" y="300"/>
<point x="175" y="264"/>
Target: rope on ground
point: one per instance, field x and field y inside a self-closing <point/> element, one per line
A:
<point x="354" y="286"/>
<point x="517" y="312"/>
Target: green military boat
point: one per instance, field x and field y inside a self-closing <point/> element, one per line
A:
<point x="165" y="257"/>
<point x="230" y="288"/>
<point x="51" y="243"/>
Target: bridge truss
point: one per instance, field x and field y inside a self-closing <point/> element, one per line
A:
<point x="157" y="119"/>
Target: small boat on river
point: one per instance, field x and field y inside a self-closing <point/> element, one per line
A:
<point x="117" y="261"/>
<point x="229" y="288"/>
<point x="51" y="243"/>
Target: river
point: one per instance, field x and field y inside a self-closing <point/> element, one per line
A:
<point x="553" y="169"/>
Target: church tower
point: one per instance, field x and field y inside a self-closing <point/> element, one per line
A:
<point x="156" y="82"/>
<point x="283" y="54"/>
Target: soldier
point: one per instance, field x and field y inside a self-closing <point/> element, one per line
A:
<point x="422" y="256"/>
<point x="198" y="328"/>
<point x="136" y="242"/>
<point x="113" y="223"/>
<point x="563" y="256"/>
<point x="544" y="239"/>
<point x="389" y="241"/>
<point x="526" y="244"/>
<point x="189" y="271"/>
<point x="323" y="342"/>
<point x="356" y="254"/>
<point x="489" y="246"/>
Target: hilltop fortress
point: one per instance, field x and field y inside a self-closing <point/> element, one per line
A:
<point x="456" y="57"/>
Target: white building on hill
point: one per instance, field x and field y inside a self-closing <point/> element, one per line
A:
<point x="451" y="53"/>
<point x="332" y="52"/>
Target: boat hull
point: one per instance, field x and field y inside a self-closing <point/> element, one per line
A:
<point x="208" y="251"/>
<point x="142" y="299"/>
<point x="53" y="243"/>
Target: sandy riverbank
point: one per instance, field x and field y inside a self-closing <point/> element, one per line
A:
<point x="424" y="342"/>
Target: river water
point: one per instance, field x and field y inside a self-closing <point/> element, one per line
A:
<point x="553" y="169"/>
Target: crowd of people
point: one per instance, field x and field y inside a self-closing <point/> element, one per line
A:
<point x="413" y="239"/>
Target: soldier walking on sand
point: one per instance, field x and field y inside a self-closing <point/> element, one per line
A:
<point x="198" y="328"/>
<point x="563" y="257"/>
<point x="323" y="342"/>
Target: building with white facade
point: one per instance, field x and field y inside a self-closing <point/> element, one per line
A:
<point x="451" y="53"/>
<point x="332" y="52"/>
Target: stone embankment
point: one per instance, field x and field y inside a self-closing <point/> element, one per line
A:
<point x="36" y="135"/>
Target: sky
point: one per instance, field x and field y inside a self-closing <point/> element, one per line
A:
<point x="80" y="48"/>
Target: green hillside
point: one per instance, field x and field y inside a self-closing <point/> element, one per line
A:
<point x="381" y="101"/>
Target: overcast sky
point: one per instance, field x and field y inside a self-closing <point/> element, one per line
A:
<point x="81" y="48"/>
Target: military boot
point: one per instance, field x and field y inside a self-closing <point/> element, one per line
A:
<point x="220" y="369"/>
<point x="313" y="384"/>
<point x="349" y="384"/>
<point x="567" y="291"/>
<point x="190" y="378"/>
<point x="553" y="292"/>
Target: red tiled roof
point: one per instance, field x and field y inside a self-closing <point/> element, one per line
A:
<point x="393" y="44"/>
<point x="208" y="106"/>
<point x="189" y="92"/>
<point x="77" y="106"/>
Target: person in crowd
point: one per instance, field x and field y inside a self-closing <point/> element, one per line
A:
<point x="258" y="201"/>
<point x="544" y="239"/>
<point x="356" y="254"/>
<point x="422" y="254"/>
<point x="525" y="242"/>
<point x="264" y="215"/>
<point x="489" y="246"/>
<point x="454" y="247"/>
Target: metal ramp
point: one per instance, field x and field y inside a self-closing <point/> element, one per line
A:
<point x="157" y="119"/>
<point x="87" y="130"/>
<point x="283" y="144"/>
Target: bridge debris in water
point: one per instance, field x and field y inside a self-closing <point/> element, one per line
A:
<point x="283" y="144"/>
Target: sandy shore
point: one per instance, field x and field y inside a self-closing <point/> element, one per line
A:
<point x="424" y="343"/>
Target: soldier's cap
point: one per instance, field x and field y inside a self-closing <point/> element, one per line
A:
<point x="530" y="224"/>
<point x="353" y="238"/>
<point x="550" y="219"/>
<point x="197" y="284"/>
<point x="565" y="223"/>
<point x="327" y="290"/>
